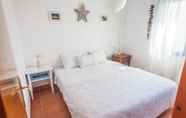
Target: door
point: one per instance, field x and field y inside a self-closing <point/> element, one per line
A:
<point x="14" y="39"/>
<point x="20" y="67"/>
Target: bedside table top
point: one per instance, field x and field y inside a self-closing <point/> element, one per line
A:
<point x="31" y="70"/>
<point x="121" y="55"/>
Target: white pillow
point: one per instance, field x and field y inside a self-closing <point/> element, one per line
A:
<point x="85" y="60"/>
<point x="99" y="57"/>
<point x="69" y="61"/>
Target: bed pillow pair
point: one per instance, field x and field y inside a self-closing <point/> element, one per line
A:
<point x="75" y="60"/>
<point x="100" y="57"/>
<point x="89" y="59"/>
<point x="69" y="61"/>
<point x="84" y="60"/>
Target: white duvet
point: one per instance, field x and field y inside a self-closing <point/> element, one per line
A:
<point x="112" y="90"/>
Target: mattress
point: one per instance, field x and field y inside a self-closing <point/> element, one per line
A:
<point x="111" y="90"/>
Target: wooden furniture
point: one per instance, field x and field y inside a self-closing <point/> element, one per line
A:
<point x="179" y="110"/>
<point x="38" y="76"/>
<point x="122" y="58"/>
<point x="11" y="98"/>
<point x="2" y="112"/>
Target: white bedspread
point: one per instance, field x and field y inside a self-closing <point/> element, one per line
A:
<point x="112" y="90"/>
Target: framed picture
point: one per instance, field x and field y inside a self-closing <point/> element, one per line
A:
<point x="104" y="18"/>
<point x="54" y="16"/>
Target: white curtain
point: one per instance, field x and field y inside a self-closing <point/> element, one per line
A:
<point x="168" y="37"/>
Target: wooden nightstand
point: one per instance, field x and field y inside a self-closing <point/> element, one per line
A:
<point x="122" y="58"/>
<point x="39" y="76"/>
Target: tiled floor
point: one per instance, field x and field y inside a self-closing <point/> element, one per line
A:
<point x="48" y="105"/>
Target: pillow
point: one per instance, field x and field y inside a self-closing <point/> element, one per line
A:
<point x="69" y="61"/>
<point x="99" y="57"/>
<point x="85" y="60"/>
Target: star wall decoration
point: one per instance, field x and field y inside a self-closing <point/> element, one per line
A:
<point x="82" y="13"/>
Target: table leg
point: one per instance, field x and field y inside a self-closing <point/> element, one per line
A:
<point x="30" y="87"/>
<point x="51" y="81"/>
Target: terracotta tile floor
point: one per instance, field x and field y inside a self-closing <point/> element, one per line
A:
<point x="48" y="105"/>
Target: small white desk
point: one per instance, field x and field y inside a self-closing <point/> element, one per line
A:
<point x="36" y="71"/>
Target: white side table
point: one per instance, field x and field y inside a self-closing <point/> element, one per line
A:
<point x="35" y="74"/>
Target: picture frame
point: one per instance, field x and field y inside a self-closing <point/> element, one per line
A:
<point x="54" y="16"/>
<point x="104" y="18"/>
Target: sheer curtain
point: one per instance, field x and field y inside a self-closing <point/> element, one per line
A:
<point x="168" y="37"/>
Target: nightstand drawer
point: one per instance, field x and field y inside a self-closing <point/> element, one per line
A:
<point x="120" y="60"/>
<point x="126" y="61"/>
<point x="39" y="76"/>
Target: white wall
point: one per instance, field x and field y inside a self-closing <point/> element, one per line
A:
<point x="133" y="37"/>
<point x="13" y="39"/>
<point x="6" y="56"/>
<point x="50" y="39"/>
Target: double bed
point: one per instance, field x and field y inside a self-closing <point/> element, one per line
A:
<point x="112" y="90"/>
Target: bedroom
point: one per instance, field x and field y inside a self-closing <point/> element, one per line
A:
<point x="42" y="40"/>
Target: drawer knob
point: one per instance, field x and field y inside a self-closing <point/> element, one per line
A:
<point x="178" y="108"/>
